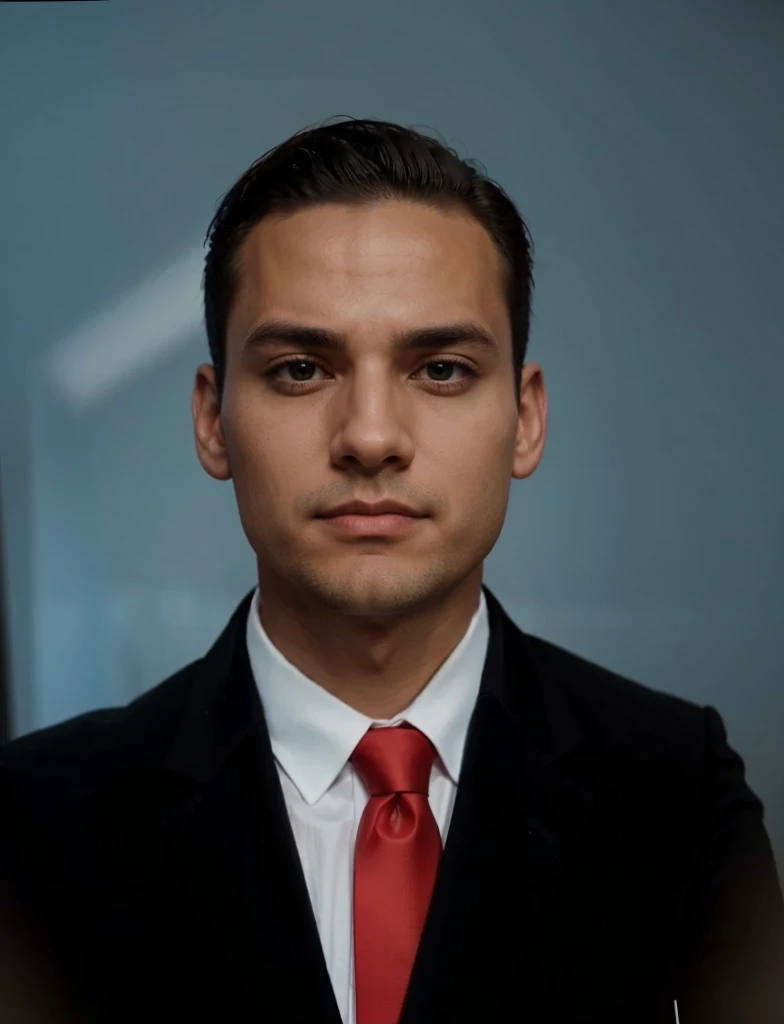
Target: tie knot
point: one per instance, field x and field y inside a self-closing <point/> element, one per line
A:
<point x="394" y="760"/>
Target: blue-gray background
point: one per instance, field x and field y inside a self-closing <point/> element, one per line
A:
<point x="642" y="141"/>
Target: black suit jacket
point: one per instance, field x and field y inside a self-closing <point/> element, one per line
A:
<point x="604" y="858"/>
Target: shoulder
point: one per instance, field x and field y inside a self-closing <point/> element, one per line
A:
<point x="616" y="710"/>
<point x="654" y="739"/>
<point x="97" y="750"/>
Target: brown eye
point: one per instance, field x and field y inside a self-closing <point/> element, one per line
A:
<point x="299" y="371"/>
<point x="444" y="366"/>
<point x="299" y="365"/>
<point x="302" y="369"/>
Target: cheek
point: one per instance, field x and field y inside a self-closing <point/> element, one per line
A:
<point x="480" y="452"/>
<point x="272" y="466"/>
<point x="250" y="445"/>
<point x="252" y="433"/>
<point x="480" y="469"/>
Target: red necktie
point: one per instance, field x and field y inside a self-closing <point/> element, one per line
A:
<point x="397" y="854"/>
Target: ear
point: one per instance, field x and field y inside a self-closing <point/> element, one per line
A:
<point x="207" y="428"/>
<point x="531" y="422"/>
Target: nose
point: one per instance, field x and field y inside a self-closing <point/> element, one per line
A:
<point x="374" y="427"/>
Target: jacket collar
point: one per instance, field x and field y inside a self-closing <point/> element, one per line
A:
<point x="224" y="705"/>
<point x="519" y="810"/>
<point x="313" y="732"/>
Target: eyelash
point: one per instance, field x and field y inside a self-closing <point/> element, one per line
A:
<point x="301" y="385"/>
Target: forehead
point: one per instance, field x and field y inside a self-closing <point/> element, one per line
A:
<point x="393" y="260"/>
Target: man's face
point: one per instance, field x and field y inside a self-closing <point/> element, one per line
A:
<point x="372" y="421"/>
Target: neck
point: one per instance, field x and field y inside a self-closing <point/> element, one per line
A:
<point x="377" y="665"/>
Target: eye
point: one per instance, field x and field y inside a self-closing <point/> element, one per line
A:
<point x="449" y="364"/>
<point x="302" y="364"/>
<point x="274" y="373"/>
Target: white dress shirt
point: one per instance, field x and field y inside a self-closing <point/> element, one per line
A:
<point x="313" y="734"/>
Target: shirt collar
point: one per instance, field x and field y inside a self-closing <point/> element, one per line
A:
<point x="313" y="733"/>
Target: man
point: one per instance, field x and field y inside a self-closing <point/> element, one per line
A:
<point x="376" y="798"/>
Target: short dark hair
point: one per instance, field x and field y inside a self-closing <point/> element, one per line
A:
<point x="356" y="161"/>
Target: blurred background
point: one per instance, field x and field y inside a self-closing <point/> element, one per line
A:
<point x="643" y="143"/>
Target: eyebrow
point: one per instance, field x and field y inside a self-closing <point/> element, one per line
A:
<point x="465" y="333"/>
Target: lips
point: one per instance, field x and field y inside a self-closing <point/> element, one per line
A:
<point x="377" y="508"/>
<point x="385" y="524"/>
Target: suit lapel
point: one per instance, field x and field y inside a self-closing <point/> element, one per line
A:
<point x="517" y="813"/>
<point x="231" y="833"/>
<point x="519" y="810"/>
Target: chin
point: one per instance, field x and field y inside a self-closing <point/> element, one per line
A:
<point x="378" y="589"/>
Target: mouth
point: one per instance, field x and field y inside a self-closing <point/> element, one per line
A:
<point x="366" y="525"/>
